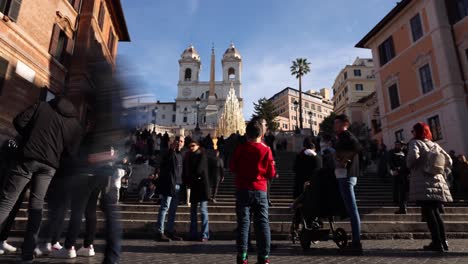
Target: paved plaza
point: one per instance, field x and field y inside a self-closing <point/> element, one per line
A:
<point x="376" y="251"/>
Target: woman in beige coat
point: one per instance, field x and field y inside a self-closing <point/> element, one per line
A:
<point x="430" y="191"/>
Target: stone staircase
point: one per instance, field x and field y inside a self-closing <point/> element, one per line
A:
<point x="374" y="196"/>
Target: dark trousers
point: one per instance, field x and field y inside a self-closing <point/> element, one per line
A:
<point x="39" y="176"/>
<point x="430" y="211"/>
<point x="400" y="190"/>
<point x="216" y="184"/>
<point x="256" y="202"/>
<point x="6" y="228"/>
<point x="58" y="202"/>
<point x="84" y="198"/>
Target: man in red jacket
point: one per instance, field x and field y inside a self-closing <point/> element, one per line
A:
<point x="253" y="165"/>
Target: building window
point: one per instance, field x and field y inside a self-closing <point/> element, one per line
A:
<point x="426" y="78"/>
<point x="399" y="136"/>
<point x="188" y="75"/>
<point x="231" y="74"/>
<point x="394" y="97"/>
<point x="306" y="104"/>
<point x="386" y="51"/>
<point x="345" y="74"/>
<point x="173" y="118"/>
<point x="359" y="87"/>
<point x="357" y="72"/>
<point x="111" y="41"/>
<point x="416" y="27"/>
<point x="10" y="8"/>
<point x="58" y="43"/>
<point x="457" y="10"/>
<point x="319" y="109"/>
<point x="436" y="129"/>
<point x="3" y="72"/>
<point x="163" y="117"/>
<point x="101" y="16"/>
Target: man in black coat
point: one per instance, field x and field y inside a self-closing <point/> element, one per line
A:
<point x="47" y="130"/>
<point x="170" y="181"/>
<point x="399" y="171"/>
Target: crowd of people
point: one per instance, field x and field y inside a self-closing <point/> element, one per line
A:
<point x="66" y="165"/>
<point x="422" y="172"/>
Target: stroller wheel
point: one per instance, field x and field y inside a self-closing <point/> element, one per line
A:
<point x="340" y="238"/>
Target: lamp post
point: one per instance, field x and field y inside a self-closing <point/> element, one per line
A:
<point x="296" y="104"/>
<point x="155" y="111"/>
<point x="198" y="109"/>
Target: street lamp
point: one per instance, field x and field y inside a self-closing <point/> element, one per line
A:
<point x="155" y="111"/>
<point x="296" y="104"/>
<point x="310" y="119"/>
<point x="198" y="109"/>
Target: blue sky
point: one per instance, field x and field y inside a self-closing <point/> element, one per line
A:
<point x="268" y="33"/>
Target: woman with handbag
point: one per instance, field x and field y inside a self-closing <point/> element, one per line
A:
<point x="428" y="186"/>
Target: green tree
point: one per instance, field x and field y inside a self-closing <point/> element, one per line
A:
<point x="299" y="68"/>
<point x="327" y="125"/>
<point x="266" y="110"/>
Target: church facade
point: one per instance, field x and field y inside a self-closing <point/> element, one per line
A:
<point x="205" y="97"/>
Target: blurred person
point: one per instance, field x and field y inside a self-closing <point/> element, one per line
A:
<point x="93" y="181"/>
<point x="399" y="171"/>
<point x="169" y="187"/>
<point x="216" y="174"/>
<point x="48" y="130"/>
<point x="127" y="167"/>
<point x="427" y="161"/>
<point x="196" y="176"/>
<point x="461" y="170"/>
<point x="253" y="165"/>
<point x="347" y="150"/>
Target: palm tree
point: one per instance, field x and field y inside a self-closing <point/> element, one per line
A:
<point x="300" y="68"/>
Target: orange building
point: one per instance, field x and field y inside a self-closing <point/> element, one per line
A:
<point x="44" y="51"/>
<point x="420" y="52"/>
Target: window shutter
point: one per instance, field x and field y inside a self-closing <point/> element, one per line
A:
<point x="3" y="5"/>
<point x="54" y="40"/>
<point x="14" y="9"/>
<point x="76" y="5"/>
<point x="3" y="72"/>
<point x="68" y="53"/>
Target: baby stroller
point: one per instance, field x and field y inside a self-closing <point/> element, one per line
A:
<point x="320" y="200"/>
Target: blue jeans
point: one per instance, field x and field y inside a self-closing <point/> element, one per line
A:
<point x="347" y="193"/>
<point x="194" y="220"/>
<point x="170" y="204"/>
<point x="256" y="201"/>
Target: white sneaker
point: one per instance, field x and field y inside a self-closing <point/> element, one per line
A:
<point x="56" y="246"/>
<point x="86" y="252"/>
<point x="64" y="253"/>
<point x="7" y="248"/>
<point x="43" y="249"/>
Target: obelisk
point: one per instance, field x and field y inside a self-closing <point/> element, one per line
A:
<point x="211" y="109"/>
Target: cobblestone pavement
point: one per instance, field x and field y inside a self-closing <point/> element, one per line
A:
<point x="376" y="251"/>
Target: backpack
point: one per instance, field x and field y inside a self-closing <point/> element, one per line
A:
<point x="435" y="160"/>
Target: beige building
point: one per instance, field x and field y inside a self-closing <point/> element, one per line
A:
<point x="420" y="50"/>
<point x="315" y="105"/>
<point x="353" y="83"/>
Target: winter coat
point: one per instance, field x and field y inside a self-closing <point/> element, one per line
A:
<point x="167" y="179"/>
<point x="48" y="130"/>
<point x="347" y="147"/>
<point x="196" y="175"/>
<point x="423" y="186"/>
<point x="305" y="167"/>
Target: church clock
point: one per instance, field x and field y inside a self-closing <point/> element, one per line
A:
<point x="186" y="92"/>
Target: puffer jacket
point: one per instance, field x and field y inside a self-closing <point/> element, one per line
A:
<point x="423" y="186"/>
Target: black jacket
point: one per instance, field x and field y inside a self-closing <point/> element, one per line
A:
<point x="197" y="176"/>
<point x="347" y="147"/>
<point x="48" y="130"/>
<point x="305" y="167"/>
<point x="167" y="180"/>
